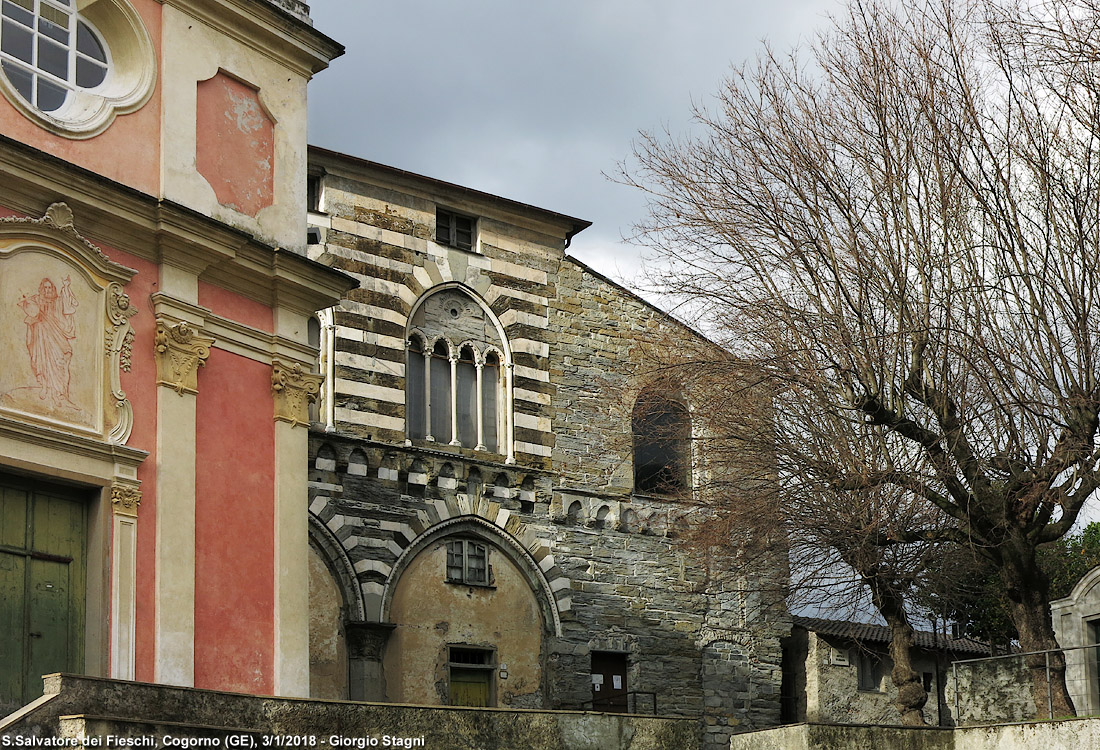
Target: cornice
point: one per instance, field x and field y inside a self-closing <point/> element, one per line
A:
<point x="232" y="336"/>
<point x="120" y="217"/>
<point x="275" y="33"/>
<point x="77" y="445"/>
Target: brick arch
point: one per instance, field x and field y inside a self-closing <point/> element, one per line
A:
<point x="487" y="519"/>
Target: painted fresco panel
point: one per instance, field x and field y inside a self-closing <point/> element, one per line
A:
<point x="52" y="348"/>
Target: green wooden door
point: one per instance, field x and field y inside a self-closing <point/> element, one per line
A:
<point x="42" y="573"/>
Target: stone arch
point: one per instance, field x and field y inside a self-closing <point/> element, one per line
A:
<point x="575" y="512"/>
<point x="335" y="556"/>
<point x="357" y="463"/>
<point x="493" y="523"/>
<point x="325" y="459"/>
<point x="505" y="349"/>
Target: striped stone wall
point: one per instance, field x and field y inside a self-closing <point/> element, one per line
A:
<point x="382" y="238"/>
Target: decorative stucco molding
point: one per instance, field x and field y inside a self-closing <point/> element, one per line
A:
<point x="125" y="498"/>
<point x="75" y="339"/>
<point x="120" y="346"/>
<point x="180" y="352"/>
<point x="294" y="390"/>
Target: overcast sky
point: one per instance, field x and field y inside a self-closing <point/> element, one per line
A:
<point x="535" y="101"/>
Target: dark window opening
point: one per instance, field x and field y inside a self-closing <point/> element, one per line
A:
<point x="314" y="183"/>
<point x="454" y="229"/>
<point x="870" y="672"/>
<point x="662" y="452"/>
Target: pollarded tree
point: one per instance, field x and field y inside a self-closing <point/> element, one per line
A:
<point x="902" y="228"/>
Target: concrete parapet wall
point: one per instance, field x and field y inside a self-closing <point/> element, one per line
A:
<point x="101" y="707"/>
<point x="1071" y="734"/>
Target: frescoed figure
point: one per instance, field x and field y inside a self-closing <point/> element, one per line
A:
<point x="49" y="317"/>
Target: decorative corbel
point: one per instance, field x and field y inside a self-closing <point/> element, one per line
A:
<point x="125" y="498"/>
<point x="180" y="351"/>
<point x="294" y="390"/>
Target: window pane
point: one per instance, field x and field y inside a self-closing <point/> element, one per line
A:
<point x="19" y="78"/>
<point x="441" y="399"/>
<point x="15" y="12"/>
<point x="414" y="394"/>
<point x="55" y="15"/>
<point x="89" y="74"/>
<point x="454" y="561"/>
<point x="467" y="404"/>
<point x="17" y="41"/>
<point x="443" y="227"/>
<point x="87" y="44"/>
<point x="53" y="31"/>
<point x="53" y="58"/>
<point x="475" y="563"/>
<point x="464" y="232"/>
<point x="662" y="432"/>
<point x="50" y="96"/>
<point x="490" y="375"/>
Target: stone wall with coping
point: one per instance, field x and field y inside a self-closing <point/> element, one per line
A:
<point x="1072" y="734"/>
<point x="75" y="707"/>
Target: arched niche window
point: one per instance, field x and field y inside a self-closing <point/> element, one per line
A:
<point x="456" y="390"/>
<point x="313" y="333"/>
<point x="662" y="445"/>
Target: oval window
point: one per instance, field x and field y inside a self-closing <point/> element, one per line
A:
<point x="71" y="70"/>
<point x="48" y="51"/>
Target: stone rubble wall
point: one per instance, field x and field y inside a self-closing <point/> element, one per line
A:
<point x="696" y="631"/>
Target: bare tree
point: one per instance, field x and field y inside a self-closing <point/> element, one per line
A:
<point x="901" y="228"/>
<point x="840" y="542"/>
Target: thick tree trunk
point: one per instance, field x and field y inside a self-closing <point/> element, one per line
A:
<point x="911" y="693"/>
<point x="1028" y="591"/>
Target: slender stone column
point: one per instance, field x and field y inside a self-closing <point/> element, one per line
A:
<point x="454" y="399"/>
<point x="428" y="397"/>
<point x="480" y="408"/>
<point x="510" y="430"/>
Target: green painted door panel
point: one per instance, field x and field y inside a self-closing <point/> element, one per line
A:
<point x="13" y="584"/>
<point x="42" y="573"/>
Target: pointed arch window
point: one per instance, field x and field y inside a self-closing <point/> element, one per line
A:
<point x="455" y="375"/>
<point x="662" y="445"/>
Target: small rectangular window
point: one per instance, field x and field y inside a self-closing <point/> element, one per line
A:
<point x="870" y="672"/>
<point x="314" y="186"/>
<point x="454" y="229"/>
<point x="467" y="562"/>
<point x="471" y="676"/>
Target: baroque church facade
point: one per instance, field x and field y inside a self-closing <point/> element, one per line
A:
<point x="409" y="451"/>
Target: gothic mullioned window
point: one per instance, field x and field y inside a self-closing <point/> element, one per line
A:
<point x="456" y="387"/>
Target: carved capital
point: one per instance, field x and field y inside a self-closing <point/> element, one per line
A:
<point x="125" y="498"/>
<point x="180" y="351"/>
<point x="294" y="390"/>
